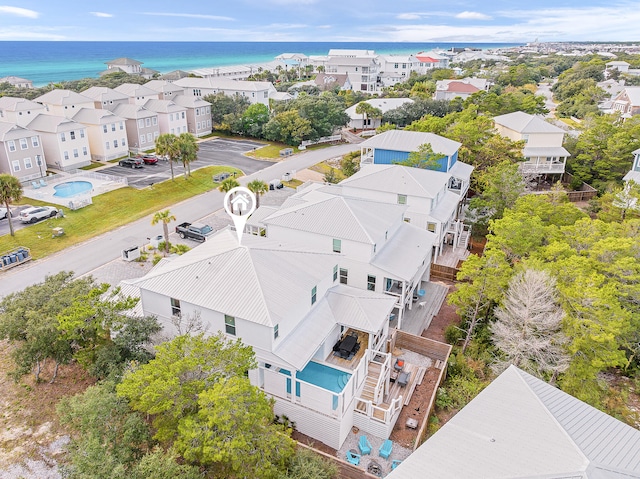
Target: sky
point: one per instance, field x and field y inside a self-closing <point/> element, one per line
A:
<point x="509" y="21"/>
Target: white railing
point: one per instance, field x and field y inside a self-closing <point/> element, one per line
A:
<point x="542" y="167"/>
<point x="324" y="139"/>
<point x="373" y="412"/>
<point x="378" y="395"/>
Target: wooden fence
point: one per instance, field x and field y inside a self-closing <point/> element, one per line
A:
<point x="439" y="271"/>
<point x="346" y="470"/>
<point x="584" y="193"/>
<point x="425" y="346"/>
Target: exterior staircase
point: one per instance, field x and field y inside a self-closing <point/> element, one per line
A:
<point x="370" y="382"/>
<point x="463" y="241"/>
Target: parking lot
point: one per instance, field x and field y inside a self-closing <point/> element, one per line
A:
<point x="212" y="152"/>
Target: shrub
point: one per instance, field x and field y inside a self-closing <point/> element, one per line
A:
<point x="453" y="334"/>
<point x="308" y="465"/>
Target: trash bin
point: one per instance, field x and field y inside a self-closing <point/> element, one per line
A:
<point x="130" y="254"/>
<point x="156" y="240"/>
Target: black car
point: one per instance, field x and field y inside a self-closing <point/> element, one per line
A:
<point x="131" y="162"/>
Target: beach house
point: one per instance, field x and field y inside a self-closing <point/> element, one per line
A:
<point x="21" y="152"/>
<point x="172" y="118"/>
<point x="543" y="150"/>
<point x="254" y="91"/>
<point x="19" y="110"/>
<point x="361" y="122"/>
<point x="64" y="102"/>
<point x="65" y="142"/>
<point x="362" y="67"/>
<point x="395" y="68"/>
<point x="198" y="114"/>
<point x="105" y="98"/>
<point x="634" y="172"/>
<point x="17" y="82"/>
<point x="138" y="94"/>
<point x="141" y="124"/>
<point x="464" y="88"/>
<point x="129" y="66"/>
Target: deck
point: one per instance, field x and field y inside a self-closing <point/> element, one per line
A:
<point x="418" y="318"/>
<point x="363" y="339"/>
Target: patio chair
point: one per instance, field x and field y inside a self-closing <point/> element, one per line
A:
<point x="399" y="364"/>
<point x="385" y="449"/>
<point x="395" y="463"/>
<point x="35" y="185"/>
<point x="364" y="445"/>
<point x="353" y="457"/>
<point x="43" y="182"/>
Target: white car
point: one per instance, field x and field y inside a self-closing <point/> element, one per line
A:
<point x="36" y="213"/>
<point x="3" y="213"/>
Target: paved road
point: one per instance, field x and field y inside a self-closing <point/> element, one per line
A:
<point x="86" y="257"/>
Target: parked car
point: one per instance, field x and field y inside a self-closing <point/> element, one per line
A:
<point x="37" y="213"/>
<point x="150" y="159"/>
<point x="3" y="213"/>
<point x="196" y="231"/>
<point x="131" y="162"/>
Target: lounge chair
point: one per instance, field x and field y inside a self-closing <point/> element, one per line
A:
<point x="364" y="445"/>
<point x="385" y="449"/>
<point x="42" y="182"/>
<point x="35" y="185"/>
<point x="403" y="379"/>
<point x="353" y="457"/>
<point x="395" y="463"/>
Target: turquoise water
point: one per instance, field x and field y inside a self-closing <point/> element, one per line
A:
<point x="72" y="188"/>
<point x="321" y="375"/>
<point x="44" y="62"/>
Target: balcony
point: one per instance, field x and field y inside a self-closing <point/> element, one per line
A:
<point x="542" y="167"/>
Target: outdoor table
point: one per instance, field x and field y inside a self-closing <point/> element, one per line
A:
<point x="348" y="345"/>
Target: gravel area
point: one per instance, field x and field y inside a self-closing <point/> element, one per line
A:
<point x="398" y="452"/>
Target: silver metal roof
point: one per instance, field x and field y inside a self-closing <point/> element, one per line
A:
<point x="402" y="255"/>
<point x="399" y="179"/>
<point x="163" y="106"/>
<point x="95" y="116"/>
<point x="545" y="152"/>
<point x="224" y="84"/>
<point x="62" y="97"/>
<point x="53" y="123"/>
<point x="133" y="90"/>
<point x="446" y="208"/>
<point x="632" y="175"/>
<point x="461" y="170"/>
<point x="525" y="123"/>
<point x="521" y="427"/>
<point x="102" y="93"/>
<point x="18" y="104"/>
<point x="129" y="110"/>
<point x="403" y="140"/>
<point x="340" y="217"/>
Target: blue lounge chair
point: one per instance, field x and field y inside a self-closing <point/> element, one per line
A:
<point x="395" y="463"/>
<point x="35" y="185"/>
<point x="353" y="457"/>
<point x="42" y="182"/>
<point x="364" y="445"/>
<point x="385" y="449"/>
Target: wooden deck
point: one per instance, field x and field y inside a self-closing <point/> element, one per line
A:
<point x="363" y="339"/>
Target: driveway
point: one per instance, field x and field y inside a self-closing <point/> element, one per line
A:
<point x="17" y="224"/>
<point x="217" y="151"/>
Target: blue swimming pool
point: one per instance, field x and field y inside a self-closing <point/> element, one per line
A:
<point x="323" y="376"/>
<point x="72" y="188"/>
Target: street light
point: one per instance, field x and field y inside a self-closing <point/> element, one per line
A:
<point x="39" y="161"/>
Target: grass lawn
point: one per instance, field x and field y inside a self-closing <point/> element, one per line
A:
<point x="272" y="151"/>
<point x="92" y="166"/>
<point x="110" y="211"/>
<point x="324" y="168"/>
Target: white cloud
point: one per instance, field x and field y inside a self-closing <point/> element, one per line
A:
<point x="189" y="15"/>
<point x="101" y="14"/>
<point x="473" y="16"/>
<point x="19" y="12"/>
<point x="408" y="16"/>
<point x="325" y="27"/>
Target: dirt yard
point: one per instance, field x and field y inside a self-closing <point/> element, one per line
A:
<point x="29" y="431"/>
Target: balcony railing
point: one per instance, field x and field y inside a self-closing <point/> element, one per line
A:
<point x="530" y="167"/>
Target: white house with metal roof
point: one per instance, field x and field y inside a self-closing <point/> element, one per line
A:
<point x="105" y="98"/>
<point x="138" y="94"/>
<point x="396" y="145"/>
<point x="522" y="427"/>
<point x="65" y="142"/>
<point x="142" y="125"/>
<point x="433" y="199"/>
<point x="360" y="122"/>
<point x="17" y="82"/>
<point x="198" y="114"/>
<point x="20" y="152"/>
<point x="254" y="91"/>
<point x="287" y="302"/>
<point x="543" y="150"/>
<point x="172" y="118"/>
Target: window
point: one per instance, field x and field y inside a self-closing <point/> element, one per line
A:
<point x="104" y="128"/>
<point x="81" y="133"/>
<point x="123" y="142"/>
<point x="525" y="138"/>
<point x="12" y="145"/>
<point x="371" y="283"/>
<point x="175" y="307"/>
<point x="275" y="332"/>
<point x="142" y="139"/>
<point x="335" y="273"/>
<point x="431" y="227"/>
<point x="62" y="137"/>
<point x="170" y="116"/>
<point x="35" y="142"/>
<point x="386" y="235"/>
<point x="344" y="273"/>
<point x="183" y="115"/>
<point x="314" y="294"/>
<point x="337" y="246"/>
<point x="198" y="126"/>
<point x="66" y="155"/>
<point x="122" y="125"/>
<point x="27" y="163"/>
<point x="75" y="153"/>
<point x="115" y="143"/>
<point x="140" y="123"/>
<point x="84" y="151"/>
<point x="23" y="144"/>
<point x="16" y="165"/>
<point x="402" y="199"/>
<point x="107" y="145"/>
<point x="72" y="135"/>
<point x="113" y="127"/>
<point x="154" y="120"/>
<point x="149" y="137"/>
<point x="147" y="121"/>
<point x="230" y="324"/>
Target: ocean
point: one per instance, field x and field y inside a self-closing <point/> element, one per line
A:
<point x="45" y="62"/>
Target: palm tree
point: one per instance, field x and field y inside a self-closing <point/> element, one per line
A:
<point x="10" y="191"/>
<point x="188" y="150"/>
<point x="228" y="184"/>
<point x="165" y="217"/>
<point x="167" y="145"/>
<point x="258" y="187"/>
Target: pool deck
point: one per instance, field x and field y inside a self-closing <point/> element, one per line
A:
<point x="101" y="184"/>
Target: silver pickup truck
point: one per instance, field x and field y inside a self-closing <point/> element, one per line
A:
<point x="195" y="231"/>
